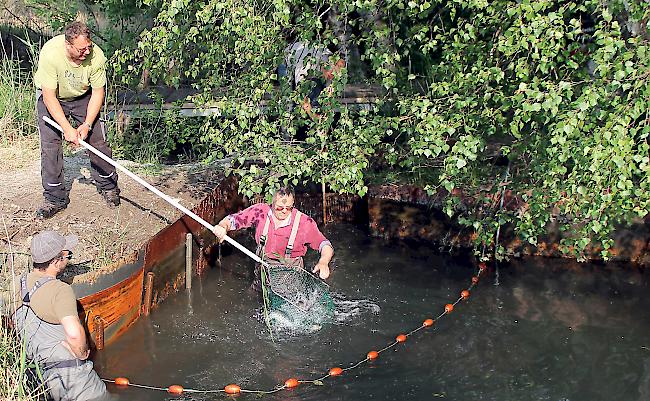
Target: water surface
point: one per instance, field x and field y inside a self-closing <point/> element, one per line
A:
<point x="551" y="330"/>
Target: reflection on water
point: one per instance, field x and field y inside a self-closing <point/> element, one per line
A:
<point x="552" y="330"/>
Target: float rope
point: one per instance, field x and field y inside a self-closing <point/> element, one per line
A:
<point x="335" y="371"/>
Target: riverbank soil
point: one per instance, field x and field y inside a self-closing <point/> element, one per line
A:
<point x="107" y="235"/>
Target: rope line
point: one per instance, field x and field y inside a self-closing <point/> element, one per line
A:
<point x="335" y="371"/>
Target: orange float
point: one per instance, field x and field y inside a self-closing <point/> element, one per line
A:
<point x="372" y="355"/>
<point x="122" y="381"/>
<point x="291" y="383"/>
<point x="464" y="294"/>
<point x="175" y="389"/>
<point x="449" y="308"/>
<point x="401" y="338"/>
<point x="335" y="371"/>
<point x="428" y="323"/>
<point x="232" y="389"/>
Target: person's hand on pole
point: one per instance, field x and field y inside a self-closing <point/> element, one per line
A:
<point x="219" y="232"/>
<point x="83" y="130"/>
<point x="71" y="135"/>
<point x="221" y="229"/>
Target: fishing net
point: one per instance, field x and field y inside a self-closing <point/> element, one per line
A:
<point x="296" y="296"/>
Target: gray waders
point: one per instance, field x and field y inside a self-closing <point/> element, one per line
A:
<point x="65" y="377"/>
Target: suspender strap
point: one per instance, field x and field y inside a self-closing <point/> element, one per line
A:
<point x="23" y="287"/>
<point x="68" y="363"/>
<point x="294" y="233"/>
<point x="265" y="233"/>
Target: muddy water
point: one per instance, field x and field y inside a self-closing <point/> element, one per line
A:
<point x="551" y="330"/>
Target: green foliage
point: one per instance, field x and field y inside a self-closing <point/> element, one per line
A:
<point x="157" y="134"/>
<point x="16" y="102"/>
<point x="115" y="23"/>
<point x="546" y="99"/>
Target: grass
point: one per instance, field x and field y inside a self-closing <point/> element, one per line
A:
<point x="19" y="142"/>
<point x="15" y="383"/>
<point x="111" y="244"/>
<point x="14" y="380"/>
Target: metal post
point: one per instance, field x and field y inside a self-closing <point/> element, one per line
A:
<point x="188" y="261"/>
<point x="99" y="332"/>
<point x="148" y="290"/>
<point x="324" y="202"/>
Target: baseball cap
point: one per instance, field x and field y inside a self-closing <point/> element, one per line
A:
<point x="48" y="244"/>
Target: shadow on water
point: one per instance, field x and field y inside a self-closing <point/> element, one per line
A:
<point x="551" y="330"/>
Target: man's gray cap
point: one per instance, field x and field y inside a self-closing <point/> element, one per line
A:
<point x="48" y="244"/>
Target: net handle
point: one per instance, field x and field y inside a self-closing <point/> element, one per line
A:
<point x="153" y="189"/>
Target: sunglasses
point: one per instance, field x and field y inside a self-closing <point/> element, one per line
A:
<point x="281" y="208"/>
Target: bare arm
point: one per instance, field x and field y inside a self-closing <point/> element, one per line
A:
<point x="94" y="106"/>
<point x="323" y="265"/>
<point x="56" y="111"/>
<point x="75" y="337"/>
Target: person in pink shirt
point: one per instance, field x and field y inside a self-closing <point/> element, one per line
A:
<point x="282" y="233"/>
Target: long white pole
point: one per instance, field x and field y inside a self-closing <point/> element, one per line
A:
<point x="157" y="192"/>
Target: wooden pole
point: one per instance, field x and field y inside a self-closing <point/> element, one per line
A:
<point x="148" y="290"/>
<point x="188" y="261"/>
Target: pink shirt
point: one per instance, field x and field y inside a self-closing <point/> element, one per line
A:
<point x="278" y="237"/>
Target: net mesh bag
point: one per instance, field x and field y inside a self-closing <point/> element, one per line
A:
<point x="298" y="295"/>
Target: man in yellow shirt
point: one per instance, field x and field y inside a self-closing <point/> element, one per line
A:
<point x="70" y="82"/>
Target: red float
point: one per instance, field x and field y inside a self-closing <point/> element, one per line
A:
<point x="175" y="389"/>
<point x="291" y="383"/>
<point x="449" y="308"/>
<point x="335" y="371"/>
<point x="464" y="294"/>
<point x="232" y="389"/>
<point x="373" y="355"/>
<point x="474" y="280"/>
<point x="122" y="381"/>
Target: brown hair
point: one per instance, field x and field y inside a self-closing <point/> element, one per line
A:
<point x="285" y="191"/>
<point x="44" y="265"/>
<point x="76" y="29"/>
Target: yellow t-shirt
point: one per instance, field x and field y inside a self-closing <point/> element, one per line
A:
<point x="55" y="71"/>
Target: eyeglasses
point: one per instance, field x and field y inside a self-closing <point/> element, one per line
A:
<point x="281" y="208"/>
<point x="83" y="49"/>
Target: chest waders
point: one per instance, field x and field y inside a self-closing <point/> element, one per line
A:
<point x="65" y="377"/>
<point x="287" y="260"/>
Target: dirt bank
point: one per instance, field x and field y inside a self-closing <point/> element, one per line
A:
<point x="105" y="235"/>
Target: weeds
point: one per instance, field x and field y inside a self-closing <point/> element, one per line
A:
<point x="111" y="244"/>
<point x="16" y="382"/>
<point x="18" y="131"/>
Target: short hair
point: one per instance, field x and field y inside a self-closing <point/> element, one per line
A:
<point x="286" y="190"/>
<point x="76" y="29"/>
<point x="44" y="265"/>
